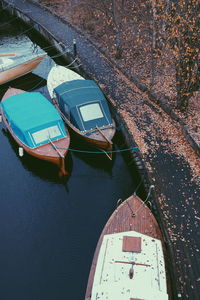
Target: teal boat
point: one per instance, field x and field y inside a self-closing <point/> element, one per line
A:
<point x="83" y="107"/>
<point x="36" y="126"/>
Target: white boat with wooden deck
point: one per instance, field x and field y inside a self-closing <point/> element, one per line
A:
<point x="36" y="126"/>
<point x="128" y="263"/>
<point x="14" y="65"/>
<point x="83" y="107"/>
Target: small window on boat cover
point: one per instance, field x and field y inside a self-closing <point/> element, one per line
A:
<point x="44" y="134"/>
<point x="91" y="112"/>
<point x="131" y="244"/>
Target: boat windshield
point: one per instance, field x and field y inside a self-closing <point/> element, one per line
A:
<point x="46" y="134"/>
<point x="91" y="112"/>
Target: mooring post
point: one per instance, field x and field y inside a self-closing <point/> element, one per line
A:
<point x="74" y="47"/>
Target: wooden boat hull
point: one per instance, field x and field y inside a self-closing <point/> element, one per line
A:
<point x="20" y="70"/>
<point x="122" y="220"/>
<point x="96" y="140"/>
<point x="101" y="138"/>
<point x="47" y="151"/>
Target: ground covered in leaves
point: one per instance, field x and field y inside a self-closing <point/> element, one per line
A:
<point x="158" y="74"/>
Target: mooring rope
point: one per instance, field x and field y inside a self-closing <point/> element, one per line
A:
<point x="144" y="202"/>
<point x="71" y="63"/>
<point x="98" y="152"/>
<point x="30" y="90"/>
<point x="27" y="30"/>
<point x="10" y="21"/>
<point x="60" y="54"/>
<point x="76" y="66"/>
<point x="135" y="192"/>
<point x="119" y="201"/>
<point x="134" y="213"/>
<point x="4" y="8"/>
<point x="48" y="47"/>
<point x="45" y="48"/>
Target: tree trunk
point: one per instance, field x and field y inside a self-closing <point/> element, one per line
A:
<point x="117" y="25"/>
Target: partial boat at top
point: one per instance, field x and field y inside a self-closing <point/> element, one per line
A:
<point x="83" y="107"/>
<point x="14" y="65"/>
<point x="128" y="263"/>
<point x="36" y="126"/>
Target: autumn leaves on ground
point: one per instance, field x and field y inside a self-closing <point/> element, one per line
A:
<point x="154" y="40"/>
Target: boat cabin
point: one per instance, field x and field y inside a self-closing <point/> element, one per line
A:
<point x="130" y="266"/>
<point x="33" y="119"/>
<point x="84" y="104"/>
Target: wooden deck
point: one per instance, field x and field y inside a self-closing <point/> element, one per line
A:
<point x="132" y="214"/>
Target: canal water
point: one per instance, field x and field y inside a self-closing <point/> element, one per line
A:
<point x="49" y="227"/>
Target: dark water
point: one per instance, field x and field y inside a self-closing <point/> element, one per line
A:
<point x="49" y="228"/>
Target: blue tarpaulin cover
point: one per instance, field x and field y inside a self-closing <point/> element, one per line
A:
<point x="83" y="102"/>
<point x="29" y="113"/>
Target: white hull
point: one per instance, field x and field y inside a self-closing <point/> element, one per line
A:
<point x="58" y="75"/>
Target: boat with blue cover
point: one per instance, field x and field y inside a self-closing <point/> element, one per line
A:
<point x="14" y="65"/>
<point x="83" y="107"/>
<point x="36" y="126"/>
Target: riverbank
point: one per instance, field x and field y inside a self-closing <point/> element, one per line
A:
<point x="155" y="76"/>
<point x="169" y="161"/>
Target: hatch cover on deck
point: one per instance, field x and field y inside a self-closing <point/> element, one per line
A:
<point x="131" y="244"/>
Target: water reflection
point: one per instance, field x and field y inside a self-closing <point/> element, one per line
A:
<point x="43" y="169"/>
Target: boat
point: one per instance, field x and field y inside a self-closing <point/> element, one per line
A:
<point x="83" y="107"/>
<point x="14" y="65"/>
<point x="36" y="126"/>
<point x="128" y="263"/>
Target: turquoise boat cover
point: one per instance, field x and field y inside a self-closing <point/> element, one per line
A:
<point x="33" y="118"/>
<point x="84" y="104"/>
